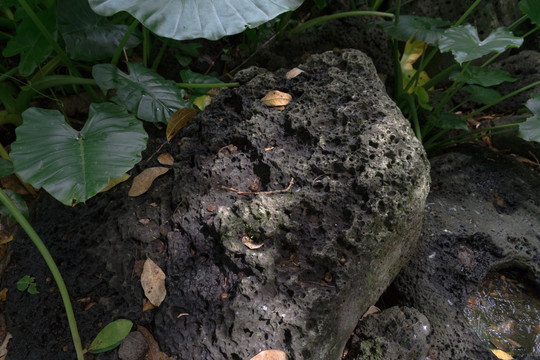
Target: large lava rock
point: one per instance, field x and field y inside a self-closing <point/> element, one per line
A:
<point x="331" y="243"/>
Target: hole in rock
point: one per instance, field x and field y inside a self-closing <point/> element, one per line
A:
<point x="504" y="312"/>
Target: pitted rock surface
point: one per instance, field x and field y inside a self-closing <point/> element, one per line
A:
<point x="331" y="243"/>
<point x="481" y="216"/>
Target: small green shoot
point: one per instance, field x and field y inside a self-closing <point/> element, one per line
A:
<point x="28" y="283"/>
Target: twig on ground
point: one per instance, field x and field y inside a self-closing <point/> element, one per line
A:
<point x="259" y="192"/>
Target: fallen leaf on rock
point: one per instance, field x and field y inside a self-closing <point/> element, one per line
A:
<point x="153" y="347"/>
<point x="294" y="72"/>
<point x="153" y="282"/>
<point x="372" y="310"/>
<point x="115" y="181"/>
<point x="246" y="240"/>
<point x="276" y="99"/>
<point x="165" y="159"/>
<point x="147" y="306"/>
<point x="3" y="294"/>
<point x="501" y="354"/>
<point x="144" y="221"/>
<point x="4" y="346"/>
<point x="110" y="336"/>
<point x="143" y="181"/>
<point x="270" y="355"/>
<point x="202" y="101"/>
<point x="178" y="120"/>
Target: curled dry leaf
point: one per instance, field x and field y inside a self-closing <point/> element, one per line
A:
<point x="270" y="355"/>
<point x="372" y="310"/>
<point x="153" y="282"/>
<point x="277" y="99"/>
<point x="143" y="181"/>
<point x="178" y="120"/>
<point x="294" y="72"/>
<point x="165" y="159"/>
<point x="246" y="240"/>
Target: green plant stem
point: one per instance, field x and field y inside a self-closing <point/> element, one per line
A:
<point x="517" y="22"/>
<point x="3" y="153"/>
<point x="502" y="98"/>
<point x="207" y="86"/>
<point x="414" y="115"/>
<point x="441" y="76"/>
<point x="43" y="30"/>
<point x="467" y="13"/>
<point x="57" y="80"/>
<point x="52" y="267"/>
<point x="123" y="42"/>
<point x="473" y="135"/>
<point x="322" y="19"/>
<point x="146" y="46"/>
<point x="159" y="56"/>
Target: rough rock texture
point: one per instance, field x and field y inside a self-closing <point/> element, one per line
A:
<point x="396" y="333"/>
<point x="330" y="247"/>
<point x="481" y="215"/>
<point x="523" y="66"/>
<point x="332" y="242"/>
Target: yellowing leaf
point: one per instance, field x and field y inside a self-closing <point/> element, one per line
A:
<point x="153" y="282"/>
<point x="413" y="50"/>
<point x="270" y="355"/>
<point x="202" y="101"/>
<point x="501" y="354"/>
<point x="143" y="181"/>
<point x="165" y="159"/>
<point x="178" y="120"/>
<point x="276" y="99"/>
<point x="115" y="181"/>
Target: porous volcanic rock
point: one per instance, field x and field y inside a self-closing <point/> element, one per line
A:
<point x="332" y="240"/>
<point x="331" y="244"/>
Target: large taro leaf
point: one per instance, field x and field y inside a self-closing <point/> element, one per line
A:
<point x="531" y="9"/>
<point x="30" y="42"/>
<point x="426" y="29"/>
<point x="465" y="44"/>
<point x="530" y="129"/>
<point x="477" y="75"/>
<point x="143" y="91"/>
<point x="191" y="19"/>
<point x="75" y="165"/>
<point x="87" y="35"/>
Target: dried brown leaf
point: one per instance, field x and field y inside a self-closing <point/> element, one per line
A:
<point x="178" y="120"/>
<point x="270" y="355"/>
<point x="294" y="72"/>
<point x="276" y="99"/>
<point x="143" y="181"/>
<point x="153" y="282"/>
<point x="153" y="347"/>
<point x="115" y="181"/>
<point x="246" y="240"/>
<point x="165" y="159"/>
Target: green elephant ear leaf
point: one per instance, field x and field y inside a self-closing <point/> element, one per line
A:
<point x="449" y="121"/>
<point x="482" y="95"/>
<point x="111" y="336"/>
<point x="192" y="19"/>
<point x="426" y="29"/>
<point x="531" y="9"/>
<point x="6" y="167"/>
<point x="31" y="43"/>
<point x="530" y="129"/>
<point x="465" y="45"/>
<point x="142" y="92"/>
<point x="87" y="35"/>
<point x="477" y="75"/>
<point x="75" y="165"/>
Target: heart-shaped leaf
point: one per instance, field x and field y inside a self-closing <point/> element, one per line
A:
<point x="531" y="9"/>
<point x="143" y="91"/>
<point x="482" y="95"/>
<point x="30" y="42"/>
<point x="530" y="129"/>
<point x="426" y="29"/>
<point x="465" y="44"/>
<point x="75" y="165"/>
<point x="448" y="121"/>
<point x="111" y="336"/>
<point x="477" y="75"/>
<point x="87" y="35"/>
<point x="191" y="19"/>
